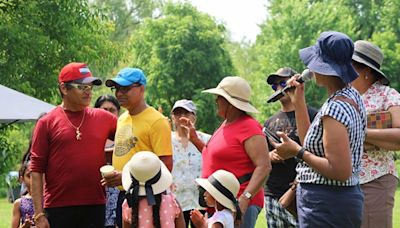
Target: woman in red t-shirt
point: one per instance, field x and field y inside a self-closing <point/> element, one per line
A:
<point x="239" y="146"/>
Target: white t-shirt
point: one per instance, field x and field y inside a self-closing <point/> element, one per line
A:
<point x="225" y="217"/>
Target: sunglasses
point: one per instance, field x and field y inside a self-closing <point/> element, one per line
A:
<point x="124" y="89"/>
<point x="275" y="85"/>
<point x="81" y="87"/>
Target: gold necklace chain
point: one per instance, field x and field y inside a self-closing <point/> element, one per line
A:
<point x="77" y="131"/>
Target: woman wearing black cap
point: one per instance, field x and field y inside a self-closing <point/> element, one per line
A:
<point x="328" y="194"/>
<point x="378" y="176"/>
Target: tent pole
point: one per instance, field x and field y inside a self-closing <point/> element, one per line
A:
<point x="6" y="125"/>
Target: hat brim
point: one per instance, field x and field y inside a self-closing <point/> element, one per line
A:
<point x="384" y="80"/>
<point x="272" y="77"/>
<point x="312" y="59"/>
<point x="242" y="105"/>
<point x="217" y="195"/>
<point x="118" y="81"/>
<point x="88" y="80"/>
<point x="163" y="183"/>
<point x="181" y="106"/>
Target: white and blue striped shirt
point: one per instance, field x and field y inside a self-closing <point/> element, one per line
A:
<point x="355" y="122"/>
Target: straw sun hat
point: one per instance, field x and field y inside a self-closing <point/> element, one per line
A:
<point x="370" y="55"/>
<point x="148" y="174"/>
<point x="236" y="91"/>
<point x="223" y="187"/>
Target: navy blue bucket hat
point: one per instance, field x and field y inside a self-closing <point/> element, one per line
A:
<point x="331" y="55"/>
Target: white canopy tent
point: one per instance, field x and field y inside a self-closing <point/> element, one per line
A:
<point x="19" y="107"/>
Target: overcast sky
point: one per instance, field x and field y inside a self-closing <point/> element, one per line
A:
<point x="240" y="16"/>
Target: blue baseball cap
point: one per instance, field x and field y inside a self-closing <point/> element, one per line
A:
<point x="127" y="77"/>
<point x="331" y="56"/>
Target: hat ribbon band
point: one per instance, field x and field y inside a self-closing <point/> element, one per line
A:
<point x="132" y="195"/>
<point x="237" y="98"/>
<point x="373" y="62"/>
<point x="228" y="194"/>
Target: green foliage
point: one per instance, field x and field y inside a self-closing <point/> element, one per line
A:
<point x="14" y="141"/>
<point x="127" y="15"/>
<point x="293" y="25"/>
<point x="384" y="31"/>
<point x="182" y="53"/>
<point x="39" y="37"/>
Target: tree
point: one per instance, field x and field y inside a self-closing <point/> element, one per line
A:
<point x="13" y="142"/>
<point x="127" y="15"/>
<point x="292" y="25"/>
<point x="245" y="57"/>
<point x="182" y="53"/>
<point x="36" y="39"/>
<point x="39" y="37"/>
<point x="377" y="21"/>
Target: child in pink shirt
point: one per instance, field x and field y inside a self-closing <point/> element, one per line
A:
<point x="148" y="203"/>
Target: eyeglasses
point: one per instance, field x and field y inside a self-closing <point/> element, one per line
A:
<point x="124" y="89"/>
<point x="81" y="87"/>
<point x="275" y="85"/>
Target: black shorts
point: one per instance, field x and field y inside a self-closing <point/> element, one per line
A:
<point x="76" y="216"/>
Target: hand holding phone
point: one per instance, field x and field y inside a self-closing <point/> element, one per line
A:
<point x="271" y="135"/>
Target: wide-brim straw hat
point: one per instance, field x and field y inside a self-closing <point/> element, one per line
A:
<point x="370" y="55"/>
<point x="236" y="91"/>
<point x="228" y="181"/>
<point x="331" y="56"/>
<point x="143" y="166"/>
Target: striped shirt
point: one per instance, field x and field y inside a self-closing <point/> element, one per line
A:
<point x="355" y="122"/>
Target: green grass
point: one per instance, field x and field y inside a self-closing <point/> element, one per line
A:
<point x="396" y="210"/>
<point x="5" y="213"/>
<point x="261" y="222"/>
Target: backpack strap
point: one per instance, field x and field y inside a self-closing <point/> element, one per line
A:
<point x="347" y="100"/>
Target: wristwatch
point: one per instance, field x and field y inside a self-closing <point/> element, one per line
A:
<point x="247" y="194"/>
<point x="300" y="154"/>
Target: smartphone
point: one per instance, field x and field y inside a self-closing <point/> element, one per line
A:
<point x="271" y="135"/>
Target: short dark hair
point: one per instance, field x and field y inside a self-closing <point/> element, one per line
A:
<point x="103" y="98"/>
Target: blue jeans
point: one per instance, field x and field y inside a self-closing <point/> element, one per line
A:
<point x="250" y="217"/>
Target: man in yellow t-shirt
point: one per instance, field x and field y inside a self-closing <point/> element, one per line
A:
<point x="140" y="128"/>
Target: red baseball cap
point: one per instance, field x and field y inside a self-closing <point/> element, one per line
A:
<point x="79" y="73"/>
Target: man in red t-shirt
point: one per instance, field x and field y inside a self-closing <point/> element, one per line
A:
<point x="67" y="152"/>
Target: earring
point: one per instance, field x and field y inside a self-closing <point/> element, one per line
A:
<point x="366" y="76"/>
